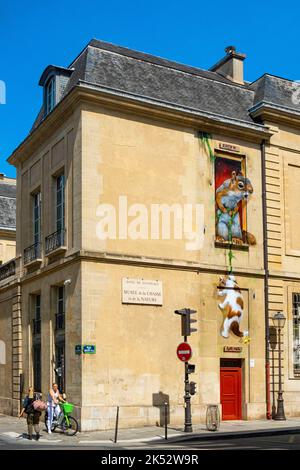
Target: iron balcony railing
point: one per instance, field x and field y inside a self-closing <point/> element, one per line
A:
<point x="8" y="269"/>
<point x="59" y="321"/>
<point x="54" y="241"/>
<point x="32" y="253"/>
<point x="36" y="326"/>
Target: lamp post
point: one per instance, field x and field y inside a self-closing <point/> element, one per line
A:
<point x="279" y="322"/>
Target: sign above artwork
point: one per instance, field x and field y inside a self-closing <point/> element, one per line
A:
<point x="229" y="147"/>
<point x="141" y="291"/>
<point x="233" y="349"/>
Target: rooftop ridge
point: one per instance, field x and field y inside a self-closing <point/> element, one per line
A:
<point x="157" y="60"/>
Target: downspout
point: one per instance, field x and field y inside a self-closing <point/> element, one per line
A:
<point x="266" y="277"/>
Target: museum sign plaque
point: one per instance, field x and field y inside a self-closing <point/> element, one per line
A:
<point x="141" y="291"/>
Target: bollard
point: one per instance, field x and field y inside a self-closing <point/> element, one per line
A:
<point x="212" y="418"/>
<point x="117" y="425"/>
<point x="166" y="421"/>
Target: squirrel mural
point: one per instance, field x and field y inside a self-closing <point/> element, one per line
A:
<point x="228" y="198"/>
<point x="232" y="306"/>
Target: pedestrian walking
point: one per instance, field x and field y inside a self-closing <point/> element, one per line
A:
<point x="33" y="416"/>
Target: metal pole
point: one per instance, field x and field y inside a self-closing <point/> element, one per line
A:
<point x="187" y="401"/>
<point x="280" y="415"/>
<point x="117" y="425"/>
<point x="166" y="420"/>
<point x="266" y="278"/>
<point x="273" y="387"/>
<point x="62" y="373"/>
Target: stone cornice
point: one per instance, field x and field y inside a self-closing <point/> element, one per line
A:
<point x="117" y="100"/>
<point x="266" y="111"/>
<point x="141" y="261"/>
<point x="7" y="232"/>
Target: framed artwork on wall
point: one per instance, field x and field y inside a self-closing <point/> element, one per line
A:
<point x="232" y="190"/>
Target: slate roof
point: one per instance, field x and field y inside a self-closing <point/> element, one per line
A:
<point x="7" y="205"/>
<point x="277" y="91"/>
<point x="140" y="75"/>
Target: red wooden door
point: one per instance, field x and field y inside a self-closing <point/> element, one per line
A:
<point x="231" y="392"/>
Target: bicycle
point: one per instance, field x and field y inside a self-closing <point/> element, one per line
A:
<point x="67" y="423"/>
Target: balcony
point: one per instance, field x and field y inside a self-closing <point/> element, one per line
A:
<point x="36" y="327"/>
<point x="32" y="254"/>
<point x="7" y="269"/>
<point x="59" y="321"/>
<point x="55" y="243"/>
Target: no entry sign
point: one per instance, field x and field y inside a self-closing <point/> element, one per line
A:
<point x="184" y="352"/>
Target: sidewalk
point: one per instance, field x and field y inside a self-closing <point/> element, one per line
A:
<point x="12" y="428"/>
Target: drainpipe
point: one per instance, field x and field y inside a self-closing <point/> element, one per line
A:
<point x="266" y="276"/>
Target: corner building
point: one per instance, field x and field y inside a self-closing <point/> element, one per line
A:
<point x="119" y="133"/>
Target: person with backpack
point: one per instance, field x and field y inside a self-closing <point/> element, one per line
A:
<point x="33" y="415"/>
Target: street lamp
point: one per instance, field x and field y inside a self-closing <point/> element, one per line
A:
<point x="279" y="322"/>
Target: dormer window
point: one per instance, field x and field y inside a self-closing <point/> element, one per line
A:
<point x="54" y="81"/>
<point x="50" y="95"/>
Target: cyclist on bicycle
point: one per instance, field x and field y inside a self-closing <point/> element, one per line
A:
<point x="53" y="409"/>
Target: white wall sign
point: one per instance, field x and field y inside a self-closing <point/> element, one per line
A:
<point x="252" y="362"/>
<point x="141" y="291"/>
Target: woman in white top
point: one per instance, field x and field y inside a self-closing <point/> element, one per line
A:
<point x="53" y="408"/>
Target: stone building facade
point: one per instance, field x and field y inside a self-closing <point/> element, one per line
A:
<point x="7" y="269"/>
<point x="122" y="218"/>
<point x="8" y="218"/>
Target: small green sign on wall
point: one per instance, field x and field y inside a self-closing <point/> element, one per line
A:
<point x="78" y="349"/>
<point x="89" y="349"/>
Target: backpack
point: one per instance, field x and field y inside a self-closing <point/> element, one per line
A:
<point x="29" y="407"/>
<point x="39" y="405"/>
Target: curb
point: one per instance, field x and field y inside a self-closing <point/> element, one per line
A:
<point x="216" y="435"/>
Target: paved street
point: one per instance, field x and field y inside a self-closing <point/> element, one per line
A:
<point x="249" y="435"/>
<point x="275" y="442"/>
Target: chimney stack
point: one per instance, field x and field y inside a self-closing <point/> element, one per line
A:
<point x="231" y="66"/>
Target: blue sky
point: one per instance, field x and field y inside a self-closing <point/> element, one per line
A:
<point x="34" y="34"/>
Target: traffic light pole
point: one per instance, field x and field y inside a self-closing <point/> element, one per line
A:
<point x="189" y="388"/>
<point x="187" y="401"/>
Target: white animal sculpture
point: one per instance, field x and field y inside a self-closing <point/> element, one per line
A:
<point x="232" y="306"/>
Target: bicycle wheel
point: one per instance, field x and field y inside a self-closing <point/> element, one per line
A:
<point x="71" y="428"/>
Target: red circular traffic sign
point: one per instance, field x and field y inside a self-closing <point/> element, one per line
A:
<point x="184" y="352"/>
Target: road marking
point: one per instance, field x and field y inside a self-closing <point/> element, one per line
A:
<point x="95" y="442"/>
<point x="212" y="444"/>
<point x="141" y="440"/>
<point x="49" y="440"/>
<point x="15" y="435"/>
<point x="12" y="434"/>
<point x="149" y="439"/>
